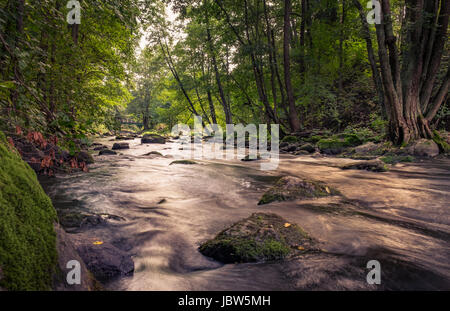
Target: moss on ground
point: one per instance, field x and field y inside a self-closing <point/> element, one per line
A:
<point x="28" y="254"/>
<point x="261" y="237"/>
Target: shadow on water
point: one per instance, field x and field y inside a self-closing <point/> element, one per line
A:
<point x="399" y="218"/>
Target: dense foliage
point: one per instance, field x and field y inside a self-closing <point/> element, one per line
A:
<point x="302" y="64"/>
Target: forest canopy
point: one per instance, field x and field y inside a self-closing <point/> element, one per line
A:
<point x="303" y="64"/>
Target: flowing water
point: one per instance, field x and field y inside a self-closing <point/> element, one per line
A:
<point x="400" y="218"/>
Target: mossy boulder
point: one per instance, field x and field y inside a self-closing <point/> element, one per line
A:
<point x="121" y="146"/>
<point x="28" y="256"/>
<point x="153" y="154"/>
<point x="443" y="144"/>
<point x="107" y="152"/>
<point x="85" y="157"/>
<point x="424" y="148"/>
<point x="290" y="140"/>
<point x="308" y="148"/>
<point x="261" y="237"/>
<point x="153" y="139"/>
<point x="337" y="144"/>
<point x="292" y="188"/>
<point x="371" y="165"/>
<point x="183" y="162"/>
<point x="249" y="158"/>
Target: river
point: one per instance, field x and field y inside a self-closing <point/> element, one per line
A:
<point x="400" y="218"/>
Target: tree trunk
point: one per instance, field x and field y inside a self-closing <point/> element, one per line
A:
<point x="293" y="117"/>
<point x="370" y="52"/>
<point x="225" y="105"/>
<point x="408" y="95"/>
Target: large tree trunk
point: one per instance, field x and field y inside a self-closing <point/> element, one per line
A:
<point x="408" y="90"/>
<point x="293" y="117"/>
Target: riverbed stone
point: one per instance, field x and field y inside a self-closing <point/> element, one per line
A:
<point x="247" y="158"/>
<point x="371" y="165"/>
<point x="107" y="152"/>
<point x="153" y="154"/>
<point x="153" y="139"/>
<point x="261" y="237"/>
<point x="367" y="149"/>
<point x="85" y="157"/>
<point x="121" y="146"/>
<point x="425" y="148"/>
<point x="104" y="260"/>
<point x="293" y="188"/>
<point x="183" y="162"/>
<point x="307" y="147"/>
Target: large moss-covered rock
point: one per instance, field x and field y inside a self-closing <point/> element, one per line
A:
<point x="28" y="255"/>
<point x="153" y="139"/>
<point x="261" y="237"/>
<point x="337" y="144"/>
<point x="293" y="188"/>
<point x="424" y="148"/>
<point x="290" y="140"/>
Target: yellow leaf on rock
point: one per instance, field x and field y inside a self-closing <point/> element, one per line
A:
<point x="287" y="225"/>
<point x="301" y="248"/>
<point x="98" y="243"/>
<point x="327" y="189"/>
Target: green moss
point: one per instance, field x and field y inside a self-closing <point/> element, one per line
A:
<point x="292" y="188"/>
<point x="290" y="139"/>
<point x="28" y="254"/>
<point x="338" y="143"/>
<point x="443" y="145"/>
<point x="184" y="162"/>
<point x="261" y="237"/>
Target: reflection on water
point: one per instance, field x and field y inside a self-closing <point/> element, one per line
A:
<point x="399" y="218"/>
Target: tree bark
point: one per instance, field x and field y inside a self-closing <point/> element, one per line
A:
<point x="408" y="94"/>
<point x="223" y="100"/>
<point x="371" y="55"/>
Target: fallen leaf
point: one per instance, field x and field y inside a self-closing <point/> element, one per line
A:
<point x="98" y="243"/>
<point x="287" y="225"/>
<point x="327" y="190"/>
<point x="300" y="248"/>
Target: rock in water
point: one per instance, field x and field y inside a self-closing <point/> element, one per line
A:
<point x="184" y="162"/>
<point x="107" y="152"/>
<point x="121" y="146"/>
<point x="85" y="157"/>
<point x="293" y="188"/>
<point x="153" y="153"/>
<point x="372" y="165"/>
<point x="104" y="260"/>
<point x="425" y="148"/>
<point x="153" y="139"/>
<point x="261" y="237"/>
